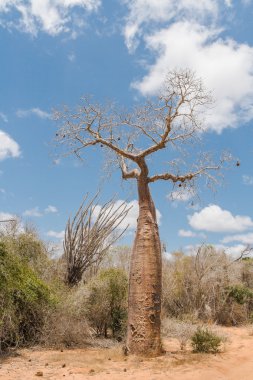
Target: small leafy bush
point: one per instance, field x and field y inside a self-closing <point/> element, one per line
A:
<point x="24" y="299"/>
<point x="240" y="294"/>
<point x="205" y="341"/>
<point x="106" y="302"/>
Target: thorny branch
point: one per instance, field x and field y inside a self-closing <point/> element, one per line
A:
<point x="89" y="235"/>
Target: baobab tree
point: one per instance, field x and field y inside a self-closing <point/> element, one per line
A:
<point x="169" y="121"/>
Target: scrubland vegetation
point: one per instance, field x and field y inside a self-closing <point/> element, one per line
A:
<point x="200" y="290"/>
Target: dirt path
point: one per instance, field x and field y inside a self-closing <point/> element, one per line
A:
<point x="236" y="363"/>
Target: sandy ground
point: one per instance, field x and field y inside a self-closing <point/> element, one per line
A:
<point x="235" y="363"/>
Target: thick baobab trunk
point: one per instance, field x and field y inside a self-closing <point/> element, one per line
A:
<point x="144" y="303"/>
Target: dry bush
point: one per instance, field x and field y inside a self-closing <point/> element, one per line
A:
<point x="180" y="330"/>
<point x="104" y="302"/>
<point x="95" y="309"/>
<point x="66" y="325"/>
<point x="63" y="329"/>
<point x="209" y="285"/>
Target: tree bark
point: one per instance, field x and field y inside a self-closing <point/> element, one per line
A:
<point x="145" y="285"/>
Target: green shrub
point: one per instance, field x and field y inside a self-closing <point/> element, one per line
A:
<point x="206" y="341"/>
<point x="24" y="299"/>
<point x="30" y="249"/>
<point x="240" y="293"/>
<point x="106" y="302"/>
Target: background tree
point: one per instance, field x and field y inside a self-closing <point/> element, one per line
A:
<point x="89" y="235"/>
<point x="172" y="120"/>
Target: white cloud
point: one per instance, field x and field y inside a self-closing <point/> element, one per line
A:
<point x="215" y="219"/>
<point x="51" y="209"/>
<point x="55" y="249"/>
<point x="186" y="233"/>
<point x="131" y="218"/>
<point x="50" y="16"/>
<point x="152" y="13"/>
<point x="181" y="195"/>
<point x="34" y="212"/>
<point x="7" y="216"/>
<point x="56" y="235"/>
<point x="190" y="234"/>
<point x="225" y="66"/>
<point x="33" y="111"/>
<point x="247" y="180"/>
<point x="3" y="117"/>
<point x="243" y="238"/>
<point x="8" y="147"/>
<point x="234" y="250"/>
<point x="187" y="34"/>
<point x="10" y="222"/>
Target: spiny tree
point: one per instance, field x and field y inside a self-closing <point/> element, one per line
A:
<point x="170" y="121"/>
<point x="89" y="235"/>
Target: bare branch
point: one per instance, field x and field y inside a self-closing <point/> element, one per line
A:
<point x="170" y="121"/>
<point x="182" y="178"/>
<point x="245" y="253"/>
<point x="126" y="174"/>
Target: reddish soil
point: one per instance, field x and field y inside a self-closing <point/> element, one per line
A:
<point x="235" y="363"/>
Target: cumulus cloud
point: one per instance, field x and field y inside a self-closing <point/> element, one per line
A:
<point x="190" y="234"/>
<point x="187" y="34"/>
<point x="56" y="235"/>
<point x="51" y="209"/>
<point x="225" y="66"/>
<point x="131" y="218"/>
<point x="8" y="147"/>
<point x="34" y="212"/>
<point x="151" y="13"/>
<point x="243" y="238"/>
<point x="50" y="16"/>
<point x="33" y="111"/>
<point x="186" y="233"/>
<point x="234" y="250"/>
<point x="7" y="216"/>
<point x="11" y="223"/>
<point x="214" y="219"/>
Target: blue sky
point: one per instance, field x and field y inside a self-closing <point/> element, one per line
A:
<point x="55" y="51"/>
